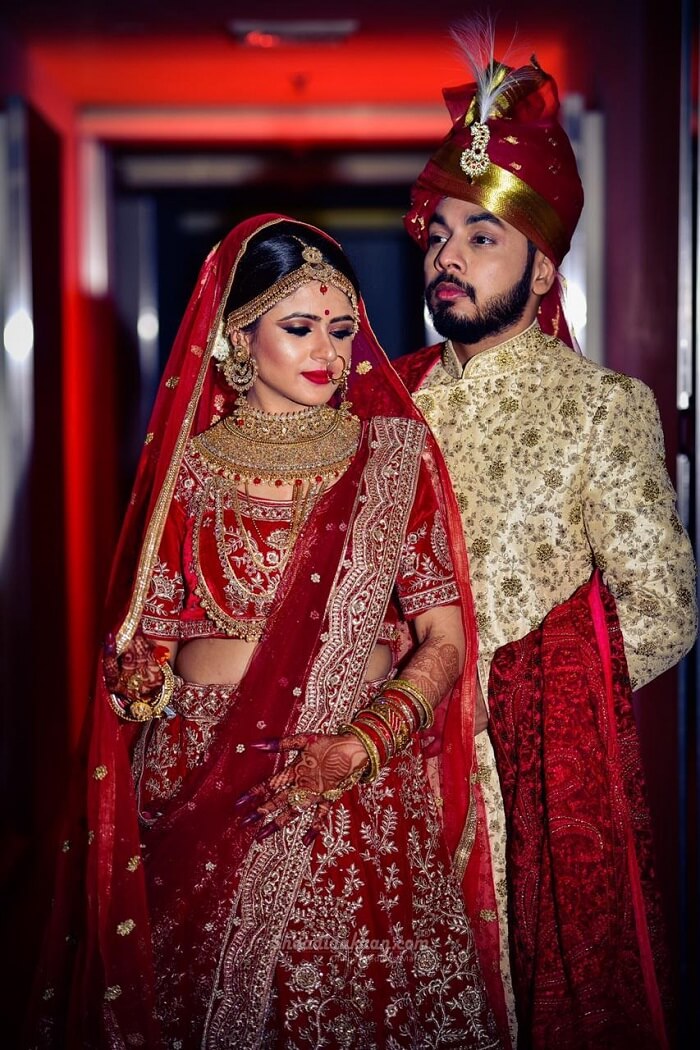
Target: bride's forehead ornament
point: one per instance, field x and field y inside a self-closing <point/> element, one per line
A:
<point x="314" y="268"/>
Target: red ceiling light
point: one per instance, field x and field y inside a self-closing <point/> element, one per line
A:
<point x="258" y="39"/>
<point x="294" y="31"/>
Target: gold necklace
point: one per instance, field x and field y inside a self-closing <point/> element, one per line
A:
<point x="303" y="499"/>
<point x="305" y="449"/>
<point x="313" y="445"/>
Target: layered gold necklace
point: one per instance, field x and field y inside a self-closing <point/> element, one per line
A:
<point x="314" y="444"/>
<point x="307" y="449"/>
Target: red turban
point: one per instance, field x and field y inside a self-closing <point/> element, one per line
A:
<point x="525" y="173"/>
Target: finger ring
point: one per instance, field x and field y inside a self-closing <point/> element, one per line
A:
<point x="299" y="797"/>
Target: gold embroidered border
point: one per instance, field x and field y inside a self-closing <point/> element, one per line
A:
<point x="466" y="842"/>
<point x="231" y="625"/>
<point x="273" y="871"/>
<point x="390" y="481"/>
<point x="154" y="531"/>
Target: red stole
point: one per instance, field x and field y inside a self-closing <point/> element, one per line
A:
<point x="414" y="368"/>
<point x="586" y="943"/>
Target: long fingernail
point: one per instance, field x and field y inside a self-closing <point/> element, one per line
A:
<point x="243" y="800"/>
<point x="309" y="837"/>
<point x="265" y="745"/>
<point x="252" y="818"/>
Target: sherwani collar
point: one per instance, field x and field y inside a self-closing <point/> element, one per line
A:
<point x="506" y="357"/>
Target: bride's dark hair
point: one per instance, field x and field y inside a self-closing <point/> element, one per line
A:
<point x="276" y="251"/>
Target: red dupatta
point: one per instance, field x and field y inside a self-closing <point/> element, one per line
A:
<point x="106" y="992"/>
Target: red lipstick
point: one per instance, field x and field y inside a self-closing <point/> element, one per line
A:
<point x="320" y="377"/>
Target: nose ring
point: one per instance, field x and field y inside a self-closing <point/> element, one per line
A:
<point x="342" y="378"/>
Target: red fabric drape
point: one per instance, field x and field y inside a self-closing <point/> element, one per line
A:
<point x="588" y="955"/>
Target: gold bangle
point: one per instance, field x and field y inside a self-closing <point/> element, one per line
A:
<point x="414" y="694"/>
<point x="167" y="690"/>
<point x="402" y="707"/>
<point x="382" y="731"/>
<point x="379" y="732"/>
<point x="142" y="710"/>
<point x="374" y="712"/>
<point x="374" y="767"/>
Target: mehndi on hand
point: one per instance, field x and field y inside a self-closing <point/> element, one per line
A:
<point x="139" y="680"/>
<point x="326" y="767"/>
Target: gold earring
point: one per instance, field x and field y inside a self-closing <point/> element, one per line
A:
<point x="240" y="368"/>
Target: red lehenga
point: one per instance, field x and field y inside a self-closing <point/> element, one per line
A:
<point x="172" y="926"/>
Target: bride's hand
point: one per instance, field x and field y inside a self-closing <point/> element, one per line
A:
<point x="135" y="674"/>
<point x="325" y="768"/>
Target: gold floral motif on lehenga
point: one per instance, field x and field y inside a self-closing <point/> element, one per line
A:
<point x="170" y="748"/>
<point x="332" y="967"/>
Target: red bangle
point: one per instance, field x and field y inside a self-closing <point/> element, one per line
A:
<point x="378" y="732"/>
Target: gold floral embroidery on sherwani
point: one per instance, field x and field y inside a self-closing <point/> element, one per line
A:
<point x="558" y="466"/>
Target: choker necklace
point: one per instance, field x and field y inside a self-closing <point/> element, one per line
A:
<point x="311" y="446"/>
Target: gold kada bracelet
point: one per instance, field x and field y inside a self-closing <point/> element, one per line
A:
<point x="142" y="710"/>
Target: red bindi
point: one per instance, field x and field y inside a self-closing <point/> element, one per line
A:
<point x="324" y="289"/>
<point x="326" y="312"/>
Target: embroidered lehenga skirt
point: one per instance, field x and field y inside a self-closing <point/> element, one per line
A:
<point x="359" y="940"/>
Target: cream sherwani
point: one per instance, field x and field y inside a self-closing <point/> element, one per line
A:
<point x="558" y="466"/>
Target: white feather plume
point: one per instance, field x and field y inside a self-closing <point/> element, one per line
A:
<point x="475" y="38"/>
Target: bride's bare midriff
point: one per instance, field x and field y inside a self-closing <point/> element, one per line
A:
<point x="223" y="661"/>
